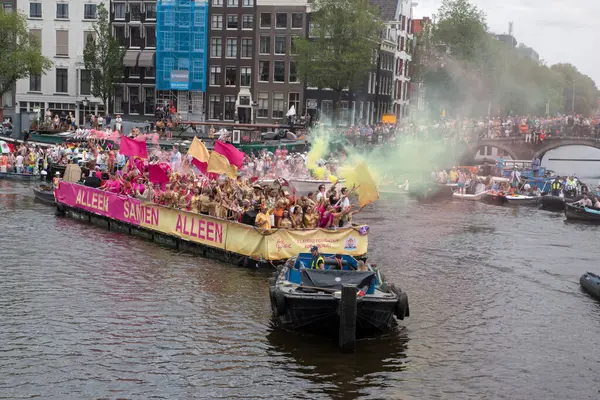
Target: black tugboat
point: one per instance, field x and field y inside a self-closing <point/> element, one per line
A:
<point x="346" y="302"/>
<point x="581" y="213"/>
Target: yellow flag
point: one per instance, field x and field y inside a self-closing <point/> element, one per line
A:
<point x="220" y="165"/>
<point x="366" y="186"/>
<point x="198" y="150"/>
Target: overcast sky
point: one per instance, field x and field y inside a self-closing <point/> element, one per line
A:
<point x="559" y="30"/>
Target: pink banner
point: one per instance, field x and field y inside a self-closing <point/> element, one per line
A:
<point x="157" y="174"/>
<point x="233" y="155"/>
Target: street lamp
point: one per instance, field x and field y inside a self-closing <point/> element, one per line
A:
<point x="85" y="103"/>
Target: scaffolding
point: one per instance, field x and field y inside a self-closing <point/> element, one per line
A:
<point x="181" y="45"/>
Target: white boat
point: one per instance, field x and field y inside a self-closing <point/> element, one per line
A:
<point x="304" y="186"/>
<point x="522" y="199"/>
<point x="471" y="197"/>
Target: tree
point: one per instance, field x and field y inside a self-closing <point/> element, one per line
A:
<point x="20" y="54"/>
<point x="344" y="36"/>
<point x="103" y="58"/>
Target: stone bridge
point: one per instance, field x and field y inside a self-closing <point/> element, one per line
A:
<point x="517" y="149"/>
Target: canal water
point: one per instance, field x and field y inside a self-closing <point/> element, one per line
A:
<point x="496" y="313"/>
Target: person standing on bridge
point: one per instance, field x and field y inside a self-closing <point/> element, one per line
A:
<point x="535" y="166"/>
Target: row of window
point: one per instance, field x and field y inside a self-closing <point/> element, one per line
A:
<point x="216" y="22"/>
<point x="136" y="11"/>
<point x="139" y="36"/>
<point x="219" y="110"/>
<point x="62" y="40"/>
<point x="277" y="46"/>
<point x="62" y="82"/>
<point x="134" y="100"/>
<point x="245" y="76"/>
<point x="232" y="3"/>
<point x="281" y="20"/>
<point x="62" y="10"/>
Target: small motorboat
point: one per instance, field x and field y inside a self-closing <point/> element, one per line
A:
<point x="392" y="188"/>
<point x="520" y="199"/>
<point x="20" y="177"/>
<point x="493" y="197"/>
<point x="45" y="194"/>
<point x="591" y="284"/>
<point x="313" y="300"/>
<point x="471" y="197"/>
<point x="581" y="213"/>
<point x="555" y="203"/>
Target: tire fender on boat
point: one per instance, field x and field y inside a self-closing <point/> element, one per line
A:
<point x="279" y="300"/>
<point x="402" y="310"/>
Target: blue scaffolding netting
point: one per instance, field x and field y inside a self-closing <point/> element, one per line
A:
<point x="181" y="45"/>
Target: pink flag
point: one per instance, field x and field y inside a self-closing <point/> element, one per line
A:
<point x="233" y="155"/>
<point x="133" y="148"/>
<point x="157" y="174"/>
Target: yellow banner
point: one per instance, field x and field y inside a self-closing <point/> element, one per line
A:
<point x="286" y="243"/>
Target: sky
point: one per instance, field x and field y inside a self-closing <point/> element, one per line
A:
<point x="560" y="31"/>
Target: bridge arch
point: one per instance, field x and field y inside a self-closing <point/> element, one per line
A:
<point x="555" y="144"/>
<point x="469" y="155"/>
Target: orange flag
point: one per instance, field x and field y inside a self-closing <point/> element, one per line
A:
<point x="199" y="154"/>
<point x="219" y="164"/>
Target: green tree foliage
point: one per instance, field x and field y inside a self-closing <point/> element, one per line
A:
<point x="20" y="54"/>
<point x="103" y="57"/>
<point x="344" y="36"/>
<point x="465" y="69"/>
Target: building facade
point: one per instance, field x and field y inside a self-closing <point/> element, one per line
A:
<point x="7" y="104"/>
<point x="62" y="27"/>
<point x="232" y="48"/>
<point x="134" y="26"/>
<point x="276" y="83"/>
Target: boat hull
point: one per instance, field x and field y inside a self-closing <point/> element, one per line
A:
<point x="44" y="196"/>
<point x="469" y="197"/>
<point x="577" y="213"/>
<point x="20" y="177"/>
<point x="319" y="313"/>
<point x="590" y="283"/>
<point x="305" y="186"/>
<point x="522" y="200"/>
<point x="494" y="198"/>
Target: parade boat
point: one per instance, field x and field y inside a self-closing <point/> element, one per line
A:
<point x="494" y="197"/>
<point x="20" y="177"/>
<point x="580" y="213"/>
<point x="313" y="300"/>
<point x="590" y="283"/>
<point x="304" y="186"/>
<point x="205" y="235"/>
<point x="478" y="192"/>
<point x="44" y="193"/>
<point x="520" y="199"/>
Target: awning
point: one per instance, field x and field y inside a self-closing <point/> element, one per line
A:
<point x="146" y="59"/>
<point x="131" y="57"/>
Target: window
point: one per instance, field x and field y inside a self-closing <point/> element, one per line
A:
<point x="135" y="37"/>
<point x="294" y="100"/>
<point x="85" y="82"/>
<point x="150" y="73"/>
<point x="344" y="113"/>
<point x="197" y="70"/>
<point x="119" y="99"/>
<point x="327" y="108"/>
<point x="62" y="80"/>
<point x="280" y="44"/>
<point x="297" y="20"/>
<point x="150" y="35"/>
<point x="278" y="71"/>
<point x="265" y="20"/>
<point x="135" y="11"/>
<point x="265" y="44"/>
<point x="62" y="11"/>
<point x="232" y="22"/>
<point x="293" y="73"/>
<point x="230" y="76"/>
<point x="247" y="3"/>
<point x="215" y="76"/>
<point x="214" y="106"/>
<point x="229" y="108"/>
<point x="217" y="3"/>
<point x="293" y="44"/>
<point x="134" y="100"/>
<point x="247" y="21"/>
<point x="134" y="72"/>
<point x="263" y="105"/>
<point x="278" y="107"/>
<point x="231" y="48"/>
<point x="8" y="8"/>
<point x="263" y="70"/>
<point x="313" y="30"/>
<point x="35" y="35"/>
<point x="89" y="11"/>
<point x="246" y="48"/>
<point x="281" y="20"/>
<point x="232" y="3"/>
<point x="62" y="43"/>
<point x="120" y="10"/>
<point x="245" y="76"/>
<point x="148" y="100"/>
<point x="35" y="10"/>
<point x="198" y="41"/>
<point x="120" y="35"/>
<point x="35" y="83"/>
<point x="216" y="47"/>
<point x="216" y="22"/>
<point x="150" y="14"/>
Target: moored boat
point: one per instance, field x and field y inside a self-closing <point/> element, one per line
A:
<point x="469" y="197"/>
<point x="311" y="300"/>
<point x="493" y="197"/>
<point x="590" y="282"/>
<point x="581" y="213"/>
<point x="520" y="199"/>
<point x="45" y="194"/>
<point x="304" y="186"/>
<point x="20" y="177"/>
